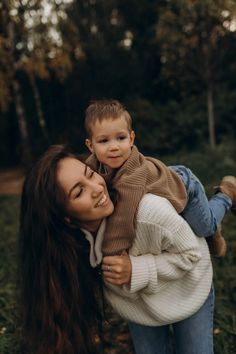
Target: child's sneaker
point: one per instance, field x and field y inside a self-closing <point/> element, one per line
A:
<point x="217" y="244"/>
<point x="228" y="187"/>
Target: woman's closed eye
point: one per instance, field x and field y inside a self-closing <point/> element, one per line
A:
<point x="78" y="190"/>
<point x="78" y="193"/>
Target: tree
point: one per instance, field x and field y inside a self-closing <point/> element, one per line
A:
<point x="192" y="36"/>
<point x="9" y="70"/>
<point x="115" y="46"/>
<point x="30" y="45"/>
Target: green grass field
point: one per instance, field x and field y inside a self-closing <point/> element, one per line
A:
<point x="118" y="340"/>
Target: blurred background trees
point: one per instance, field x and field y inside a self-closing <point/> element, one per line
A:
<point x="171" y="62"/>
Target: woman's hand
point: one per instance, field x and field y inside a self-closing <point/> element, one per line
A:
<point x="117" y="269"/>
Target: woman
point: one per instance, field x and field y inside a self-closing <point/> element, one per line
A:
<point x="164" y="279"/>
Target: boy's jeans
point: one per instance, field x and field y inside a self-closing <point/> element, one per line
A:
<point x="193" y="335"/>
<point x="202" y="215"/>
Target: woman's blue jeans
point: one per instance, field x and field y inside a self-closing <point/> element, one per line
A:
<point x="202" y="215"/>
<point x="193" y="335"/>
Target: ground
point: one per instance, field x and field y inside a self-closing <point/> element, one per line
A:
<point x="11" y="180"/>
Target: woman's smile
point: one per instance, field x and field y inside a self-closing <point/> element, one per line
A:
<point x="102" y="201"/>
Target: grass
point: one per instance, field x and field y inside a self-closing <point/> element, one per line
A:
<point x="118" y="339"/>
<point x="9" y="209"/>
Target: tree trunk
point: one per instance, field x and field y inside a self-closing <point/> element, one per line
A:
<point x="211" y="118"/>
<point x="26" y="155"/>
<point x="41" y="119"/>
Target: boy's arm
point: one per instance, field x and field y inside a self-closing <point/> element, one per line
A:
<point x="120" y="229"/>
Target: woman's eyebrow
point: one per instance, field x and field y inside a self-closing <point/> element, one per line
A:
<point x="88" y="170"/>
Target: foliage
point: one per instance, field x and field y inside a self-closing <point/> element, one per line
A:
<point x="159" y="56"/>
<point x="30" y="39"/>
<point x="178" y="126"/>
<point x="30" y="48"/>
<point x="8" y="267"/>
<point x="193" y="36"/>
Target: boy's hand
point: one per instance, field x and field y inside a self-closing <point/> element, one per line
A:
<point x="117" y="269"/>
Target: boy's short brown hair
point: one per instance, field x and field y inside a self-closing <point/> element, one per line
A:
<point x="100" y="110"/>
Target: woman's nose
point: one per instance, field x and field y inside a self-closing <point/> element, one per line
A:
<point x="96" y="189"/>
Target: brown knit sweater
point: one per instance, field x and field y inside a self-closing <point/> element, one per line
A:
<point x="137" y="176"/>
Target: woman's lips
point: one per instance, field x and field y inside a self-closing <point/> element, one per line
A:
<point x="102" y="201"/>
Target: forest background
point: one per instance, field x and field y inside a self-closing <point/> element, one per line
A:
<point x="171" y="62"/>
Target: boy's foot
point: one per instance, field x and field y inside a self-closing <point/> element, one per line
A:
<point x="217" y="244"/>
<point x="228" y="187"/>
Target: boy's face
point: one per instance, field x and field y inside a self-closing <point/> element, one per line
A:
<point x="111" y="141"/>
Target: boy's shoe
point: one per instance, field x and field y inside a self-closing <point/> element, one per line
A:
<point x="217" y="244"/>
<point x="228" y="187"/>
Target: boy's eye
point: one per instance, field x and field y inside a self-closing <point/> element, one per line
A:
<point x="102" y="141"/>
<point x="122" y="137"/>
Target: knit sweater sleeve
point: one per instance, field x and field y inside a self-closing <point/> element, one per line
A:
<point x="172" y="251"/>
<point x="120" y="229"/>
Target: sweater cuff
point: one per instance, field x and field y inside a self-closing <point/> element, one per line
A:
<point x="140" y="272"/>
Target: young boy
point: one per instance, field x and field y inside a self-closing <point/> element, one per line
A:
<point x="131" y="175"/>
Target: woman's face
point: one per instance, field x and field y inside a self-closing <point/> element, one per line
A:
<point x="87" y="200"/>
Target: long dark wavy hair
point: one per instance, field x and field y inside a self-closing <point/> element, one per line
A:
<point x="59" y="307"/>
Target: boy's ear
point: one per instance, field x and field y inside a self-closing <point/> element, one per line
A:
<point x="89" y="145"/>
<point x="132" y="137"/>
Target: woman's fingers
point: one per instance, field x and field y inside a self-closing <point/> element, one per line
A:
<point x="112" y="260"/>
<point x="115" y="264"/>
<point x="117" y="269"/>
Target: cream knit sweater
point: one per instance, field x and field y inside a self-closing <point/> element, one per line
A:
<point x="171" y="267"/>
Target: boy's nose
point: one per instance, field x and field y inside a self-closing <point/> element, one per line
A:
<point x="113" y="146"/>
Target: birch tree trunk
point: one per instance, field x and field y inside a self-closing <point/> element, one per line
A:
<point x="41" y="119"/>
<point x="26" y="156"/>
<point x="211" y="117"/>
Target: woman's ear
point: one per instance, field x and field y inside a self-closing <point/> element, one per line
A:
<point x="73" y="224"/>
<point x="68" y="220"/>
<point x="89" y="145"/>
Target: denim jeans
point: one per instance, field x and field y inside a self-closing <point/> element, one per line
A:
<point x="202" y="215"/>
<point x="193" y="335"/>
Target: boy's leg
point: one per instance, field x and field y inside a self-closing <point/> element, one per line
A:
<point x="220" y="203"/>
<point x="202" y="215"/>
<point x="228" y="187"/>
<point x="195" y="334"/>
<point x="150" y="340"/>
